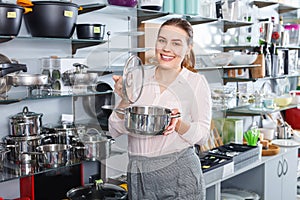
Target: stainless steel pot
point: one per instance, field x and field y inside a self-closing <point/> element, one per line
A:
<point x="3" y="152"/>
<point x="26" y="123"/>
<point x="27" y="79"/>
<point x="20" y="145"/>
<point x="97" y="146"/>
<point x="147" y="120"/>
<point x="60" y="134"/>
<point x="53" y="155"/>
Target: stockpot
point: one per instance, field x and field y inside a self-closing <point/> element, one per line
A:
<point x="61" y="134"/>
<point x="97" y="145"/>
<point x="26" y="123"/>
<point x="3" y="152"/>
<point x="20" y="145"/>
<point x="147" y="120"/>
<point x="53" y="155"/>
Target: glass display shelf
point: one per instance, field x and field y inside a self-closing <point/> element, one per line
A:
<point x="250" y="110"/>
<point x="236" y="79"/>
<point x="12" y="171"/>
<point x="13" y="97"/>
<point x="226" y="67"/>
<point x="281" y="7"/>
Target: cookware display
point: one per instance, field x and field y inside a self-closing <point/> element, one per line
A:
<point x="51" y="19"/>
<point x="97" y="190"/>
<point x="90" y="31"/>
<point x="97" y="145"/>
<point x="11" y="19"/>
<point x="26" y="123"/>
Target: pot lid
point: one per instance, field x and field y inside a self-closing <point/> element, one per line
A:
<point x="133" y="79"/>
<point x="26" y="114"/>
<point x="97" y="191"/>
<point x="92" y="135"/>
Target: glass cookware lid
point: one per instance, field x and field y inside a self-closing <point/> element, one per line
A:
<point x="133" y="79"/>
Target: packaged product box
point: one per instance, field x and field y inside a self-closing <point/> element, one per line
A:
<point x="230" y="129"/>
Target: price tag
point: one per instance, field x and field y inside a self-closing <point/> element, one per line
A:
<point x="68" y="13"/>
<point x="97" y="30"/>
<point x="11" y="15"/>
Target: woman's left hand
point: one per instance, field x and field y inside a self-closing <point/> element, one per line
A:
<point x="171" y="128"/>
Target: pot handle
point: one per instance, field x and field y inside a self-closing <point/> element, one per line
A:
<point x="119" y="110"/>
<point x="177" y="115"/>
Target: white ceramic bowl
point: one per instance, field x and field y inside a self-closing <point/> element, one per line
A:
<point x="240" y="58"/>
<point x="216" y="59"/>
<point x="283" y="100"/>
<point x="268" y="133"/>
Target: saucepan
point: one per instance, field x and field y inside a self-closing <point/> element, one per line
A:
<point x="147" y="120"/>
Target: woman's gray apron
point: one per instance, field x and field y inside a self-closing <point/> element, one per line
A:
<point x="173" y="176"/>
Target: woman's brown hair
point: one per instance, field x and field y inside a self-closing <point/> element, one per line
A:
<point x="189" y="60"/>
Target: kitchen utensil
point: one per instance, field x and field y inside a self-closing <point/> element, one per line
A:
<point x="5" y="69"/>
<point x="26" y="123"/>
<point x="27" y="79"/>
<point x="97" y="145"/>
<point x="98" y="190"/>
<point x="151" y="4"/>
<point x="90" y="31"/>
<point x="285" y="143"/>
<point x="283" y="100"/>
<point x="147" y="120"/>
<point x="126" y="3"/>
<point x="60" y="134"/>
<point x="3" y="152"/>
<point x="52" y="19"/>
<point x="11" y="19"/>
<point x="53" y="155"/>
<point x="19" y="145"/>
<point x="268" y="133"/>
<point x="216" y="59"/>
<point x="79" y="76"/>
<point x="240" y="58"/>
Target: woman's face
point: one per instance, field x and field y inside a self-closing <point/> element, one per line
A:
<point x="171" y="47"/>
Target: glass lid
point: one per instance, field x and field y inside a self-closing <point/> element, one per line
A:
<point x="133" y="79"/>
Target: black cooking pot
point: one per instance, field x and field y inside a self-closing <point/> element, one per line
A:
<point x="90" y="31"/>
<point x="101" y="192"/>
<point x="10" y="19"/>
<point x="52" y="19"/>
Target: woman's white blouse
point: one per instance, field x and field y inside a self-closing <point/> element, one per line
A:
<point x="190" y="94"/>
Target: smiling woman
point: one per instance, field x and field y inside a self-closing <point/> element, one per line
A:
<point x="165" y="166"/>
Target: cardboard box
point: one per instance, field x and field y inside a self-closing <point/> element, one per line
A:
<point x="230" y="129"/>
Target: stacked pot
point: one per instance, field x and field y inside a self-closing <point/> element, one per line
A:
<point x="64" y="138"/>
<point x="24" y="138"/>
